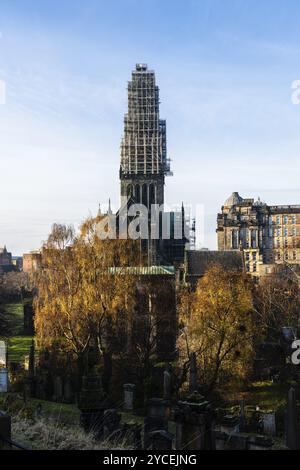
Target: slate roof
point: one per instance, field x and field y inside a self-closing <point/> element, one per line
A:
<point x="198" y="261"/>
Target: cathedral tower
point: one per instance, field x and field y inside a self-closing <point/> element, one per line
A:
<point x="144" y="162"/>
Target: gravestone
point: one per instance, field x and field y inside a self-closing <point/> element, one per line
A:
<point x="3" y="354"/>
<point x="167" y="385"/>
<point x="128" y="396"/>
<point x="156" y="418"/>
<point x="3" y="380"/>
<point x="92" y="405"/>
<point x="193" y="385"/>
<point x="194" y="424"/>
<point x="269" y="423"/>
<point x="230" y="424"/>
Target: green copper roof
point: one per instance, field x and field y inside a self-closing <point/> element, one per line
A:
<point x="146" y="270"/>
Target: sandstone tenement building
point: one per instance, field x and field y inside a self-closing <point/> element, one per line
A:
<point x="268" y="236"/>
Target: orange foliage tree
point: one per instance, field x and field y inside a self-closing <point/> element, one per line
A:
<point x="79" y="294"/>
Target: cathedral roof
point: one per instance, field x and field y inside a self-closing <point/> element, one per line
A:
<point x="233" y="200"/>
<point x="198" y="261"/>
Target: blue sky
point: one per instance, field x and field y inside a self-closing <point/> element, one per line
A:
<point x="224" y="67"/>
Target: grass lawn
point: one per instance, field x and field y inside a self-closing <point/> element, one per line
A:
<point x="18" y="347"/>
<point x="60" y="412"/>
<point x="265" y="394"/>
<point x="14" y="314"/>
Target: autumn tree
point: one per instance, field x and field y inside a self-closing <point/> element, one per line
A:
<point x="277" y="304"/>
<point x="82" y="286"/>
<point x="217" y="324"/>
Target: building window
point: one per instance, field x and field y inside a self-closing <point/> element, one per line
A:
<point x="278" y="232"/>
<point x="278" y="243"/>
<point x="234" y="239"/>
<point x="254" y="268"/>
<point x="247" y="256"/>
<point x="294" y="255"/>
<point x="286" y="256"/>
<point x="294" y="231"/>
<point x="254" y="255"/>
<point x="293" y="219"/>
<point x="285" y="232"/>
<point x="278" y="220"/>
<point x="247" y="267"/>
<point x="253" y="238"/>
<point x="278" y="256"/>
<point x="285" y="243"/>
<point x="285" y="219"/>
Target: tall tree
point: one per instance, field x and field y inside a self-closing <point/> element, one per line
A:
<point x="217" y="324"/>
<point x="82" y="285"/>
<point x="277" y="303"/>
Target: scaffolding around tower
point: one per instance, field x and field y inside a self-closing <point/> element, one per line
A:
<point x="144" y="144"/>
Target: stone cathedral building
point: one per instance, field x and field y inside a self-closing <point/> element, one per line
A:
<point x="268" y="236"/>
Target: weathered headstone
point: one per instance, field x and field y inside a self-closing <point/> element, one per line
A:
<point x="92" y="405"/>
<point x="292" y="431"/>
<point x="128" y="396"/>
<point x="193" y="383"/>
<point x="167" y="385"/>
<point x="3" y="380"/>
<point x="156" y="418"/>
<point x="269" y="423"/>
<point x="194" y="424"/>
<point x="3" y="354"/>
<point x="230" y="424"/>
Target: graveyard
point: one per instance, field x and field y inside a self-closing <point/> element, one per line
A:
<point x="52" y="416"/>
<point x="134" y="378"/>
